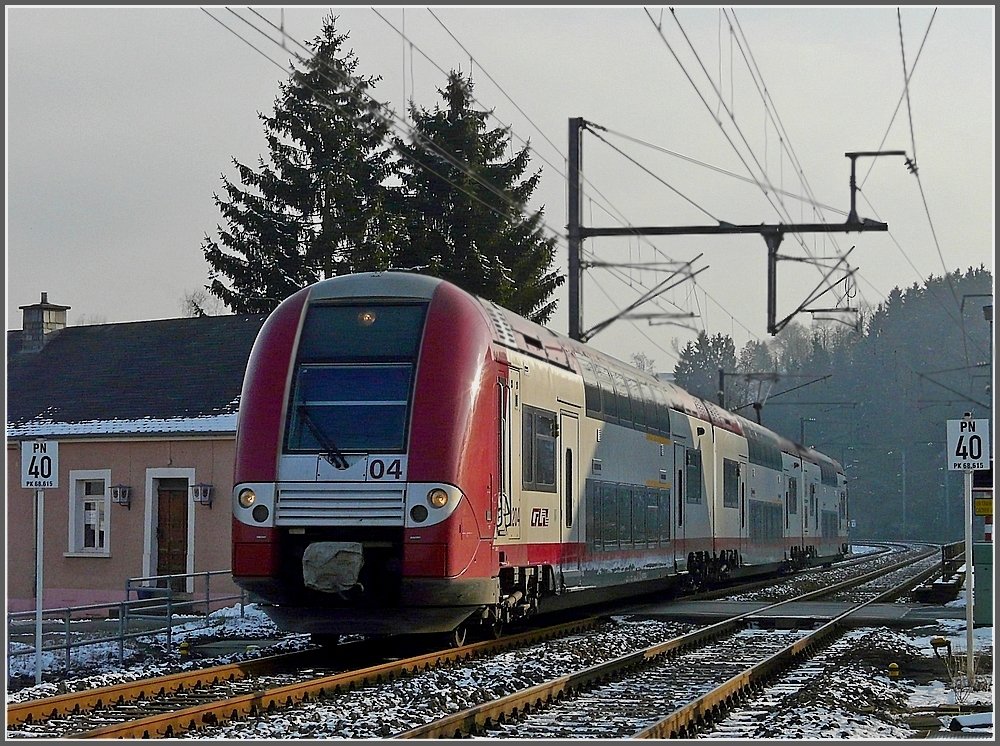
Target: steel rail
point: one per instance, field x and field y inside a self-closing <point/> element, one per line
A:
<point x="169" y="724"/>
<point x="706" y="708"/>
<point x="36" y="710"/>
<point x="475" y="719"/>
<point x="213" y="713"/>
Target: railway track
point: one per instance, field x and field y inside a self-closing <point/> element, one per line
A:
<point x="185" y="703"/>
<point x="169" y="706"/>
<point x="626" y="698"/>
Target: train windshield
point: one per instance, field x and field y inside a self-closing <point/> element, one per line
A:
<point x="354" y="378"/>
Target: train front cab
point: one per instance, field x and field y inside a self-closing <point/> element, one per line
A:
<point x="373" y="516"/>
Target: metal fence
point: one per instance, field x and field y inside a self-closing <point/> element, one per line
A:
<point x="152" y="608"/>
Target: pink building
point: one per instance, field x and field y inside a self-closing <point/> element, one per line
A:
<point x="144" y="415"/>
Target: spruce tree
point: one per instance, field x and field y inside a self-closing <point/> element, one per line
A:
<point x="462" y="206"/>
<point x="316" y="209"/>
<point x="697" y="369"/>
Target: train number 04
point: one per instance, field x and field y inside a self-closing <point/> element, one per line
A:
<point x="379" y="469"/>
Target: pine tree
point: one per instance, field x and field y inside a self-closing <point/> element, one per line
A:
<point x="697" y="370"/>
<point x="317" y="207"/>
<point x="462" y="207"/>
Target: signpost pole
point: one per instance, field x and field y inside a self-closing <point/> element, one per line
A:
<point x="970" y="664"/>
<point x="39" y="470"/>
<point x="969" y="451"/>
<point x="39" y="533"/>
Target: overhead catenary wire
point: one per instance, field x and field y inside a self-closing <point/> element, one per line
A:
<point x="617" y="214"/>
<point x="396" y="125"/>
<point x="614" y="211"/>
<point x="779" y="208"/>
<point x="388" y="113"/>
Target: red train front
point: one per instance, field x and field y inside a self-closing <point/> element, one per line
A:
<point x="366" y="464"/>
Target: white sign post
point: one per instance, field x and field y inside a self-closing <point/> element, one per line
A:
<point x="39" y="470"/>
<point x="968" y="451"/>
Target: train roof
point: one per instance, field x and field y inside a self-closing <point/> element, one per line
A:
<point x="513" y="331"/>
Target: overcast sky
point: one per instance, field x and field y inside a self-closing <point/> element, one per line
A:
<point x="121" y="121"/>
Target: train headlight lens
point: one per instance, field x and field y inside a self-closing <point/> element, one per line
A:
<point x="366" y="318"/>
<point x="260" y="513"/>
<point x="247" y="498"/>
<point x="418" y="513"/>
<point x="437" y="498"/>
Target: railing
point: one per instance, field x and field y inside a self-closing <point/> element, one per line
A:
<point x="151" y="608"/>
<point x="952" y="558"/>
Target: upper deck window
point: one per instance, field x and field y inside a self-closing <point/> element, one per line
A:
<point x="371" y="332"/>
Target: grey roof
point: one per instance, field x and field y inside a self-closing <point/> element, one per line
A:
<point x="147" y="377"/>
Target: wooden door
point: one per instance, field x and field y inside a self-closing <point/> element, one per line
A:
<point x="171" y="534"/>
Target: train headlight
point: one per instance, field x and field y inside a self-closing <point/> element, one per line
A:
<point x="247" y="498"/>
<point x="418" y="513"/>
<point x="437" y="498"/>
<point x="260" y="513"/>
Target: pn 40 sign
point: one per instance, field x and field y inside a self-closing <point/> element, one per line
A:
<point x="968" y="445"/>
<point x="40" y="464"/>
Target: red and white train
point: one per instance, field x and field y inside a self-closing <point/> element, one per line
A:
<point x="412" y="458"/>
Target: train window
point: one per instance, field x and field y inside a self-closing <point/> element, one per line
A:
<point x="538" y="454"/>
<point x="609" y="515"/>
<point x="638" y="396"/>
<point x="664" y="516"/>
<point x="793" y="495"/>
<point x="592" y="390"/>
<point x="693" y="476"/>
<point x="569" y="487"/>
<point x="624" y="399"/>
<point x="624" y="493"/>
<point x="349" y="408"/>
<point x="609" y="401"/>
<point x="342" y="333"/>
<point x="662" y="420"/>
<point x="639" y="516"/>
<point x="593" y="521"/>
<point x="730" y="483"/>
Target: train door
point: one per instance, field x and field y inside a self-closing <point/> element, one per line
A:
<point x="571" y="497"/>
<point x="171" y="531"/>
<point x="508" y="523"/>
<point x="742" y="470"/>
<point x="793" y="509"/>
<point x="680" y="550"/>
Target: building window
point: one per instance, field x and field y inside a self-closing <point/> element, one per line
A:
<point x="90" y="507"/>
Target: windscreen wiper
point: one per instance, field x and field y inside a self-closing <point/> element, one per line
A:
<point x="333" y="455"/>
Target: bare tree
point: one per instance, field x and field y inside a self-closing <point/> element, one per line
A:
<point x="643" y="362"/>
<point x="199" y="302"/>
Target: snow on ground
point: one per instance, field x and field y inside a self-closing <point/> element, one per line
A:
<point x="860" y="703"/>
<point x="145" y="656"/>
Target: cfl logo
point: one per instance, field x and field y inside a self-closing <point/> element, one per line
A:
<point x="539" y="516"/>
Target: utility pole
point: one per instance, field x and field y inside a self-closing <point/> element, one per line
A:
<point x="573" y="237"/>
<point x="772" y="235"/>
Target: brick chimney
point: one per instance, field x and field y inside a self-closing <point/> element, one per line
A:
<point x="39" y="321"/>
